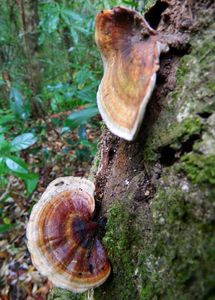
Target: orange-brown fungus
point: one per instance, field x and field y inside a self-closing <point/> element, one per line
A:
<point x="62" y="238"/>
<point x="130" y="54"/>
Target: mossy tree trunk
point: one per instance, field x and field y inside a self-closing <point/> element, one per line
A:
<point x="158" y="192"/>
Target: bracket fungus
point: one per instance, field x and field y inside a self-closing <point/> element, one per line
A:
<point x="62" y="236"/>
<point x="130" y="52"/>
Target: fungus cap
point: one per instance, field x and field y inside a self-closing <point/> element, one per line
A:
<point x="130" y="52"/>
<point x="62" y="237"/>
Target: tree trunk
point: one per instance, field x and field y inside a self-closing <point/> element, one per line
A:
<point x="6" y="55"/>
<point x="158" y="192"/>
<point x="30" y="19"/>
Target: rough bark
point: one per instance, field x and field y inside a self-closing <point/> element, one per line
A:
<point x="158" y="192"/>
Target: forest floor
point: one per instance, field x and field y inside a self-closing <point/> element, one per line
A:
<point x="18" y="278"/>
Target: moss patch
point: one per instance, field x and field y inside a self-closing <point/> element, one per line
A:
<point x="120" y="240"/>
<point x="61" y="294"/>
<point x="181" y="116"/>
<point x="180" y="257"/>
<point x="199" y="168"/>
<point x="179" y="262"/>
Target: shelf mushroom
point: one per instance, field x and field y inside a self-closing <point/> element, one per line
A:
<point x="130" y="52"/>
<point x="61" y="236"/>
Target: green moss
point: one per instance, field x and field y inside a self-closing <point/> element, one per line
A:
<point x="174" y="258"/>
<point x="180" y="256"/>
<point x="61" y="294"/>
<point x="190" y="126"/>
<point x="211" y="86"/>
<point x="199" y="168"/>
<point x="194" y="95"/>
<point x="119" y="238"/>
<point x="173" y="136"/>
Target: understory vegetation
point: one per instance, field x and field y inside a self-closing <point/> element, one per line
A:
<point x="50" y="69"/>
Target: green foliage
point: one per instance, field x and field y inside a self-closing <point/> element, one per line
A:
<point x="81" y="117"/>
<point x="67" y="39"/>
<point x="17" y="104"/>
<point x="11" y="163"/>
<point x="68" y="57"/>
<point x="73" y="78"/>
<point x="23" y="141"/>
<point x="6" y="227"/>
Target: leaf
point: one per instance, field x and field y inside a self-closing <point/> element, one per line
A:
<point x="82" y="132"/>
<point x="16" y="165"/>
<point x="53" y="22"/>
<point x="88" y="93"/>
<point x="74" y="16"/>
<point x="23" y="141"/>
<point x="6" y="220"/>
<point x="64" y="130"/>
<point x="81" y="117"/>
<point x="6" y="227"/>
<point x="17" y="104"/>
<point x="82" y="29"/>
<point x="5" y="146"/>
<point x="31" y="184"/>
<point x="82" y="76"/>
<point x="2" y="82"/>
<point x="74" y="36"/>
<point x="7" y="119"/>
<point x="31" y="180"/>
<point x="3" y="170"/>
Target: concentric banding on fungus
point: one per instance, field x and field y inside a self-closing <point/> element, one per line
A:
<point x="130" y="53"/>
<point x="62" y="238"/>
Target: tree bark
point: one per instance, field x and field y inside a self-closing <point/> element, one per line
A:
<point x="158" y="192"/>
<point x="30" y="20"/>
<point x="10" y="18"/>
